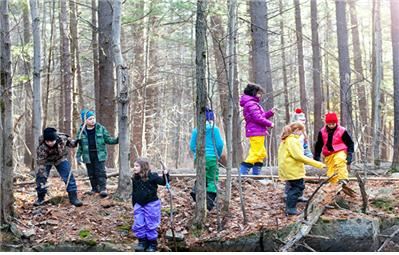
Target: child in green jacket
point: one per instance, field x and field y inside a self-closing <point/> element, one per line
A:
<point x="92" y="151"/>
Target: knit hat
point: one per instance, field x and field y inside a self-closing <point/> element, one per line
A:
<point x="331" y="117"/>
<point x="209" y="114"/>
<point x="299" y="115"/>
<point x="85" y="114"/>
<point x="50" y="134"/>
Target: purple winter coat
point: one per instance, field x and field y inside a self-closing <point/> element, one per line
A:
<point x="255" y="117"/>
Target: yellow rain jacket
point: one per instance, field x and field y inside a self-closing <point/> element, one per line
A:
<point x="291" y="161"/>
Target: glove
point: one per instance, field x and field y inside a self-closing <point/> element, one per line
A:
<point x="317" y="158"/>
<point x="349" y="159"/>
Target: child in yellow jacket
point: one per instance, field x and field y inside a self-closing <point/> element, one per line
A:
<point x="291" y="164"/>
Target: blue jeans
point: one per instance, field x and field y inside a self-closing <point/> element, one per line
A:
<point x="63" y="169"/>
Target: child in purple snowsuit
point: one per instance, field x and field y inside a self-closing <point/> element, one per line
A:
<point x="146" y="204"/>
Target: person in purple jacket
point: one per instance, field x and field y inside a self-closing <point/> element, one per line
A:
<point x="257" y="122"/>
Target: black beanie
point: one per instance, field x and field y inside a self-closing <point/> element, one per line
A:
<point x="50" y="134"/>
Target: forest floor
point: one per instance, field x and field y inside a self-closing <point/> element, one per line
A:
<point x="108" y="220"/>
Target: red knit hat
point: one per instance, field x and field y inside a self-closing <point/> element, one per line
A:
<point x="331" y="117"/>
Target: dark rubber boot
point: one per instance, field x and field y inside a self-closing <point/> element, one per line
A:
<point x="73" y="199"/>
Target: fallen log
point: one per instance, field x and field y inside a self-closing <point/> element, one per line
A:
<point x="223" y="176"/>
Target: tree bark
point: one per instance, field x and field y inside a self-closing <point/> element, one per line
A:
<point x="28" y="156"/>
<point x="284" y="68"/>
<point x="124" y="184"/>
<point x="344" y="66"/>
<point x="66" y="68"/>
<point x="76" y="71"/>
<point x="301" y="66"/>
<point x="232" y="6"/>
<point x="200" y="32"/>
<point x="377" y="77"/>
<point x="261" y="62"/>
<point x="138" y="80"/>
<point x="357" y="60"/>
<point x="317" y="94"/>
<point x="106" y="110"/>
<point x="95" y="49"/>
<point x="37" y="91"/>
<point x="395" y="56"/>
<point x="6" y="119"/>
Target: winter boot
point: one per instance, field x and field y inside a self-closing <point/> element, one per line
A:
<point x="303" y="199"/>
<point x="73" y="199"/>
<point x="103" y="193"/>
<point x="244" y="168"/>
<point x="291" y="211"/>
<point x="152" y="245"/>
<point x="210" y="200"/>
<point x="257" y="168"/>
<point x="40" y="199"/>
<point x="142" y="245"/>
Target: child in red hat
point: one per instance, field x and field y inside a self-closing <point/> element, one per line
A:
<point x="337" y="147"/>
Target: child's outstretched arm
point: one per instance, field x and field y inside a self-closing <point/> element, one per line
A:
<point x="160" y="180"/>
<point x="108" y="139"/>
<point x="294" y="148"/>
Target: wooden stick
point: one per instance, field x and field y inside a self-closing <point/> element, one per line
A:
<point x="242" y="198"/>
<point x="387" y="240"/>
<point x="171" y="206"/>
<point x="363" y="192"/>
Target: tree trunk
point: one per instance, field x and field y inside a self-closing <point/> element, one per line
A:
<point x="377" y="77"/>
<point x="261" y="61"/>
<point x="318" y="96"/>
<point x="6" y="119"/>
<point x="395" y="54"/>
<point x="66" y="68"/>
<point x="37" y="91"/>
<point x="151" y="90"/>
<point x="28" y="156"/>
<point x="124" y="184"/>
<point x="76" y="74"/>
<point x="200" y="38"/>
<point x="284" y="68"/>
<point x="219" y="50"/>
<point x="301" y="67"/>
<point x="106" y="110"/>
<point x="344" y="66"/>
<point x="95" y="49"/>
<point x="138" y="80"/>
<point x="232" y="6"/>
<point x="357" y="59"/>
<point x="237" y="143"/>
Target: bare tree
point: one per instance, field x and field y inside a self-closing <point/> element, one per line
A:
<point x="377" y="77"/>
<point x="37" y="91"/>
<point x="283" y="61"/>
<point x="66" y="68"/>
<point x="395" y="51"/>
<point x="122" y="77"/>
<point x="106" y="100"/>
<point x="29" y="149"/>
<point x="358" y="66"/>
<point x="200" y="37"/>
<point x="261" y="60"/>
<point x="344" y="65"/>
<point x="301" y="67"/>
<point x="6" y="119"/>
<point x="94" y="46"/>
<point x="77" y="86"/>
<point x="317" y="93"/>
<point x="138" y="80"/>
<point x="232" y="6"/>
